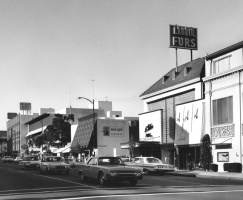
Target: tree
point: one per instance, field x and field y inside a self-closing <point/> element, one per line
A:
<point x="205" y="152"/>
<point x="132" y="145"/>
<point x="56" y="134"/>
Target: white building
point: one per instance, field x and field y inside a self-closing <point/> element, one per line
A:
<point x="223" y="97"/>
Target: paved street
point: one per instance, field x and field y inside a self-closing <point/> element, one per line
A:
<point x="17" y="183"/>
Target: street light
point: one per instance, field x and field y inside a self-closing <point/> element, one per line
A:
<point x="93" y="113"/>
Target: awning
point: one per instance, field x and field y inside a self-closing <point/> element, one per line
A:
<point x="221" y="141"/>
<point x="84" y="131"/>
<point x="65" y="149"/>
<point x="39" y="130"/>
<point x="35" y="149"/>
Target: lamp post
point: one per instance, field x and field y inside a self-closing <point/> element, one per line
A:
<point x="93" y="112"/>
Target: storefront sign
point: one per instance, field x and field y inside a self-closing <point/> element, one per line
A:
<point x="183" y="37"/>
<point x="190" y="119"/>
<point x="116" y="131"/>
<point x="150" y="126"/>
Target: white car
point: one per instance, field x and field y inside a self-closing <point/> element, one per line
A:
<point x="152" y="165"/>
<point x="7" y="159"/>
<point x="54" y="164"/>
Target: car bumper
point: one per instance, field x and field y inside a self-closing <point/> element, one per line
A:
<point x="123" y="178"/>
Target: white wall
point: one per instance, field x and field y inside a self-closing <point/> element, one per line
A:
<point x="107" y="144"/>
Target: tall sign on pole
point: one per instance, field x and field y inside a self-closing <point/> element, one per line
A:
<point x="25" y="106"/>
<point x="182" y="37"/>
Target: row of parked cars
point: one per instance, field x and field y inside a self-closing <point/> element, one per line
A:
<point x="104" y="169"/>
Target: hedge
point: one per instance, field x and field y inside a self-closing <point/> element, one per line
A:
<point x="213" y="167"/>
<point x="233" y="167"/>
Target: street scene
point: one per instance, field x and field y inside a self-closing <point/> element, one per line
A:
<point x="121" y="99"/>
<point x="30" y="184"/>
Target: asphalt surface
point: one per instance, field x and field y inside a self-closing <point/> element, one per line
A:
<point x="17" y="183"/>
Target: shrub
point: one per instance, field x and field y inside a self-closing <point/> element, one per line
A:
<point x="233" y="167"/>
<point x="213" y="167"/>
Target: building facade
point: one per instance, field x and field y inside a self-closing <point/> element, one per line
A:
<point x="180" y="85"/>
<point x="224" y="96"/>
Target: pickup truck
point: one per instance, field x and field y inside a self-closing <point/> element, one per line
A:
<point x="107" y="169"/>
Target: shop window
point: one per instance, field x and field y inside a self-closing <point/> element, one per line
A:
<point x="221" y="65"/>
<point x="223" y="111"/>
<point x="106" y="131"/>
<point x="223" y="146"/>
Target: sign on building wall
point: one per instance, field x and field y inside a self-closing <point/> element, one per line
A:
<point x="190" y="123"/>
<point x="113" y="131"/>
<point x="150" y="128"/>
<point x="182" y="37"/>
<point x="25" y="106"/>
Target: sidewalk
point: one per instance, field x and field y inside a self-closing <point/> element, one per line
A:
<point x="208" y="174"/>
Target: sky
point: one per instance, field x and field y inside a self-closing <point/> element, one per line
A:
<point x="53" y="51"/>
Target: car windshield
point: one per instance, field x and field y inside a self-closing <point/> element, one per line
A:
<point x="53" y="159"/>
<point x="110" y="161"/>
<point x="153" y="160"/>
<point x="30" y="158"/>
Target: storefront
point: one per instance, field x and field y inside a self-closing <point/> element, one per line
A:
<point x="190" y="123"/>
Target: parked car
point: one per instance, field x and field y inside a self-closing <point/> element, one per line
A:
<point x="54" y="164"/>
<point x="29" y="162"/>
<point x="7" y="159"/>
<point x="151" y="165"/>
<point x="107" y="169"/>
<point x="17" y="159"/>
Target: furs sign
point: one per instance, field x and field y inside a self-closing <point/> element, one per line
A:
<point x="183" y="37"/>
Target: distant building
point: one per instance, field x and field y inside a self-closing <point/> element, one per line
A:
<point x="3" y="143"/>
<point x="16" y="132"/>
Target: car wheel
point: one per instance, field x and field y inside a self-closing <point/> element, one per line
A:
<point x="82" y="177"/>
<point x="133" y="182"/>
<point x="47" y="170"/>
<point x="102" y="178"/>
<point x="146" y="171"/>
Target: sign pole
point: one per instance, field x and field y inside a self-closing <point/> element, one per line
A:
<point x="176" y="60"/>
<point x="191" y="55"/>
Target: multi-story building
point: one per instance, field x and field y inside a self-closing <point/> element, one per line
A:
<point x="3" y="143"/>
<point x="157" y="124"/>
<point x="16" y="132"/>
<point x="224" y="96"/>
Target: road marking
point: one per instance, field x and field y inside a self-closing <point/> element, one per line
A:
<point x="152" y="194"/>
<point x="65" y="181"/>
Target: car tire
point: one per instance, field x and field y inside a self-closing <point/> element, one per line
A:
<point x="82" y="177"/>
<point x="146" y="172"/>
<point x="47" y="172"/>
<point x="101" y="178"/>
<point x="133" y="182"/>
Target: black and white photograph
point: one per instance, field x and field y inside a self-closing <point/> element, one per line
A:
<point x="121" y="99"/>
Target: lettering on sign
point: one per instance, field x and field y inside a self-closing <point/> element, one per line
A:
<point x="183" y="37"/>
<point x="116" y="131"/>
<point x="224" y="131"/>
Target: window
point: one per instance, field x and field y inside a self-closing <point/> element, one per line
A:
<point x="221" y="65"/>
<point x="223" y="111"/>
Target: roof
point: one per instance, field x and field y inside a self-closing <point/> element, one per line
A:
<point x="43" y="116"/>
<point x="225" y="51"/>
<point x="196" y="71"/>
